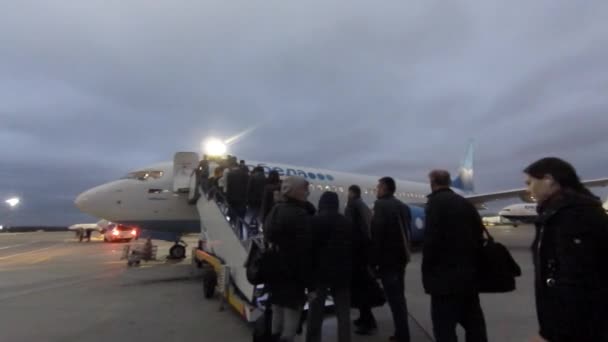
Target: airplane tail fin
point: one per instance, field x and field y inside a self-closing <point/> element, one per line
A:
<point x="464" y="178"/>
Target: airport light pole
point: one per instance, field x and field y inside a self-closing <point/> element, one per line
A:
<point x="13" y="202"/>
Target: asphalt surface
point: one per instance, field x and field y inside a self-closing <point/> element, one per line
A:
<point x="53" y="288"/>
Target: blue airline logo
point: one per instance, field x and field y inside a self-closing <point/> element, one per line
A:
<point x="293" y="172"/>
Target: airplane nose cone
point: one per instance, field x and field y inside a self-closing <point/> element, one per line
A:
<point x="82" y="200"/>
<point x="92" y="201"/>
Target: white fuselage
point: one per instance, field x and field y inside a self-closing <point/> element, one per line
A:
<point x="520" y="212"/>
<point x="149" y="202"/>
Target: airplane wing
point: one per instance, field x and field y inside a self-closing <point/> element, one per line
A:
<point x="480" y="199"/>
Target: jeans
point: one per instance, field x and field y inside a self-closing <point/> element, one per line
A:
<point x="285" y="322"/>
<point x="316" y="312"/>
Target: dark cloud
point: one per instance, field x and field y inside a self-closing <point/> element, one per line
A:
<point x="91" y="90"/>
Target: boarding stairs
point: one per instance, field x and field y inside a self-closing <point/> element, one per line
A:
<point x="226" y="236"/>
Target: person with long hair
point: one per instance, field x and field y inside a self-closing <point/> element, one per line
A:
<point x="570" y="254"/>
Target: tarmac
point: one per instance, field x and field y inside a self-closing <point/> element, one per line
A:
<point x="53" y="288"/>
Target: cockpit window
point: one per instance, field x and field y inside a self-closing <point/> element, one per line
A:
<point x="145" y="175"/>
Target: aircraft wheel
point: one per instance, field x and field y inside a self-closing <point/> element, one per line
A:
<point x="177" y="252"/>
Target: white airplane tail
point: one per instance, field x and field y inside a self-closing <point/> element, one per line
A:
<point x="464" y="178"/>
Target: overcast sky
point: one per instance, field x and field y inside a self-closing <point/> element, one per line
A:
<point x="92" y="89"/>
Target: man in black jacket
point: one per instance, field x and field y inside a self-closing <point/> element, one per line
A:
<point x="360" y="215"/>
<point x="390" y="252"/>
<point x="453" y="239"/>
<point x="332" y="256"/>
<point x="255" y="192"/>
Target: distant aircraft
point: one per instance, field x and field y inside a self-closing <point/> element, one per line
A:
<point x="524" y="212"/>
<point x="80" y="228"/>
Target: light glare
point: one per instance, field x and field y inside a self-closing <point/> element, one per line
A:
<point x="215" y="147"/>
<point x="13" y="202"/>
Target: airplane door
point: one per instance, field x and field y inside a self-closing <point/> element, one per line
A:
<point x="184" y="164"/>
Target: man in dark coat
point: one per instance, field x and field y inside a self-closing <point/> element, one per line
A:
<point x="287" y="231"/>
<point x="390" y="252"/>
<point x="255" y="191"/>
<point x="453" y="239"/>
<point x="236" y="194"/>
<point x="271" y="192"/>
<point x="360" y="215"/>
<point x="332" y="267"/>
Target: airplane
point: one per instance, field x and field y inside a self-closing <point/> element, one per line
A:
<point x="156" y="198"/>
<point x="80" y="228"/>
<point x="99" y="226"/>
<point x="524" y="213"/>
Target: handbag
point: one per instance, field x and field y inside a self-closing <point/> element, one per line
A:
<point x="366" y="291"/>
<point x="263" y="260"/>
<point x="497" y="268"/>
<point x="257" y="264"/>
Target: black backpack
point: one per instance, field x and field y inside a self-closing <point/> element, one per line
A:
<point x="497" y="268"/>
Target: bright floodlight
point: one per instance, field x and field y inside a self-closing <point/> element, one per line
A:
<point x="1" y="227"/>
<point x="215" y="147"/>
<point x="13" y="202"/>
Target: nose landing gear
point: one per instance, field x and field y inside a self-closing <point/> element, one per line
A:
<point x="178" y="250"/>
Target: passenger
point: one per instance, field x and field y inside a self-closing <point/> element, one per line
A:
<point x="287" y="231"/>
<point x="221" y="182"/>
<point x="453" y="239"/>
<point x="203" y="174"/>
<point x="271" y="193"/>
<point x="230" y="165"/>
<point x="243" y="166"/>
<point x="236" y="195"/>
<point x="391" y="252"/>
<point x="570" y="255"/>
<point x="332" y="243"/>
<point x="360" y="215"/>
<point x="147" y="249"/>
<point x="214" y="183"/>
<point x="89" y="232"/>
<point x="236" y="190"/>
<point x="255" y="191"/>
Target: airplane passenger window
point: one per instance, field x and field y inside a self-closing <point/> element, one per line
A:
<point x="157" y="191"/>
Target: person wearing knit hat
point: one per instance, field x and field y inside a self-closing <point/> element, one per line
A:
<point x="287" y="232"/>
<point x="295" y="187"/>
